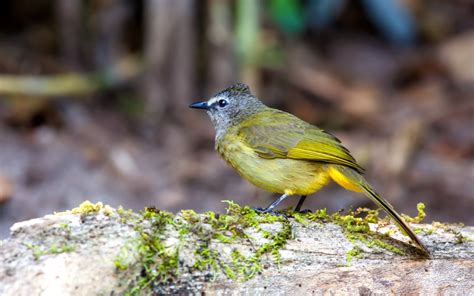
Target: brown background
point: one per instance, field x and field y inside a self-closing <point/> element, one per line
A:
<point x="404" y="108"/>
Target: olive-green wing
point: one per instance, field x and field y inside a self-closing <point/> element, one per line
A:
<point x="277" y="134"/>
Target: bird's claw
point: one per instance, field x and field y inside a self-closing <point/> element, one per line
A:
<point x="267" y="211"/>
<point x="259" y="210"/>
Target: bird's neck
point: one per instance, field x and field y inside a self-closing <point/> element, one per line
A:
<point x="225" y="124"/>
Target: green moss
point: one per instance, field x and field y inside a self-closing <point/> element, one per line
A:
<point x="65" y="227"/>
<point x="427" y="231"/>
<point x="125" y="215"/>
<point x="356" y="228"/>
<point x="37" y="251"/>
<point x="419" y="217"/>
<point x="41" y="250"/>
<point x="381" y="244"/>
<point x="162" y="260"/>
<point x="163" y="250"/>
<point x="350" y="223"/>
<point x="371" y="216"/>
<point x="121" y="263"/>
<point x="300" y="218"/>
<point x="87" y="208"/>
<point x="62" y="248"/>
<point x="124" y="258"/>
<point x="356" y="251"/>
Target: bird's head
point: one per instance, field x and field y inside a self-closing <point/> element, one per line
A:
<point x="230" y="106"/>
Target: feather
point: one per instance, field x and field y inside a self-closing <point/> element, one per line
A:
<point x="277" y="134"/>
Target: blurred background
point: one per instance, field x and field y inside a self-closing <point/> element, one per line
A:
<point x="94" y="99"/>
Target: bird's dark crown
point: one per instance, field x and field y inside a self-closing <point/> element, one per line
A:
<point x="236" y="89"/>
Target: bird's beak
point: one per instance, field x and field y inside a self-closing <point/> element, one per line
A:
<point x="199" y="105"/>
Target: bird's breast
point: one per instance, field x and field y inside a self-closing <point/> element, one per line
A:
<point x="279" y="175"/>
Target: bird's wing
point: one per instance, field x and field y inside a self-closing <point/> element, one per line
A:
<point x="277" y="134"/>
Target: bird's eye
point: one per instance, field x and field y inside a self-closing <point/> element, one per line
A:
<point x="223" y="103"/>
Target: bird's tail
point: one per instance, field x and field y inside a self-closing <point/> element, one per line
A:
<point x="352" y="180"/>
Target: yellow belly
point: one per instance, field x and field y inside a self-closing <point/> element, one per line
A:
<point x="277" y="175"/>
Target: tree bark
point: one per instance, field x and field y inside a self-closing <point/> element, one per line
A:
<point x="75" y="253"/>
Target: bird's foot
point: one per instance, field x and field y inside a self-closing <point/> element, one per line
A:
<point x="269" y="211"/>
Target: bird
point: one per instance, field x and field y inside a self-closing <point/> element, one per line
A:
<point x="281" y="153"/>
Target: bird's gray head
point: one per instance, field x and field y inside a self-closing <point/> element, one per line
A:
<point x="230" y="106"/>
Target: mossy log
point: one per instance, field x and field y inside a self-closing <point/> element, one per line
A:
<point x="95" y="250"/>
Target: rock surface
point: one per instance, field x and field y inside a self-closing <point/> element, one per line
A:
<point x="96" y="252"/>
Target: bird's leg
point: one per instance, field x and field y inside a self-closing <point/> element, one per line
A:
<point x="300" y="203"/>
<point x="270" y="208"/>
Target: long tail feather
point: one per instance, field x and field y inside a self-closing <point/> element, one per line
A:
<point x="351" y="180"/>
<point x="376" y="198"/>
